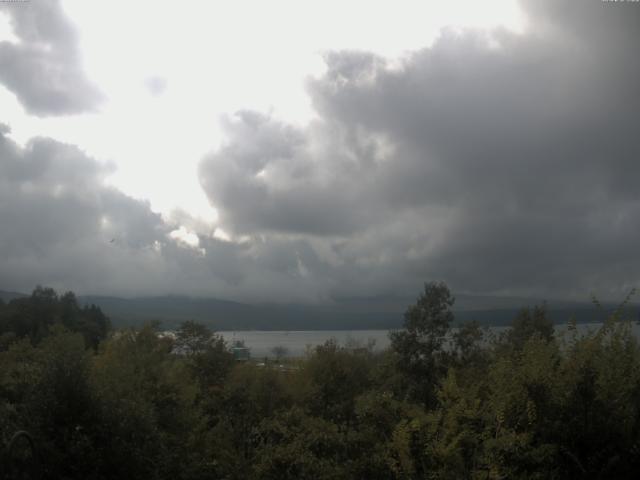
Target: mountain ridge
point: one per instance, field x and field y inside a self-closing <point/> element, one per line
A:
<point x="349" y="313"/>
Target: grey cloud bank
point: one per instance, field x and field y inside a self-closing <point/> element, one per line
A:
<point x="501" y="163"/>
<point x="64" y="226"/>
<point x="43" y="70"/>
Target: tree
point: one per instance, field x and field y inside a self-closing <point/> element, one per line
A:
<point x="147" y="402"/>
<point x="249" y="395"/>
<point x="279" y="351"/>
<point x="419" y="347"/>
<point x="207" y="354"/>
<point x="89" y="321"/>
<point x="528" y="323"/>
<point x="192" y="338"/>
<point x="294" y="445"/>
<point x="336" y="377"/>
<point x="467" y="341"/>
<point x="36" y="316"/>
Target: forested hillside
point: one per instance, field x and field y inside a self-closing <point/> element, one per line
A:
<point x="131" y="403"/>
<point x="359" y="313"/>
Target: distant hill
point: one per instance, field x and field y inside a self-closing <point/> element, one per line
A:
<point x="8" y="296"/>
<point x="226" y="315"/>
<point x="343" y="314"/>
<point x="353" y="313"/>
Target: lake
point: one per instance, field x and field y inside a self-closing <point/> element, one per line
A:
<point x="261" y="342"/>
<point x="296" y="343"/>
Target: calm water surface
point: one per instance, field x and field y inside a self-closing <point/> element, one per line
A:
<point x="296" y="343"/>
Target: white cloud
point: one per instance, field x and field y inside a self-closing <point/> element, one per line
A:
<point x="186" y="237"/>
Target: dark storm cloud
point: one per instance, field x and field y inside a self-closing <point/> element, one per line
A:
<point x="60" y="221"/>
<point x="276" y="178"/>
<point x="64" y="226"/>
<point x="43" y="70"/>
<point x="497" y="161"/>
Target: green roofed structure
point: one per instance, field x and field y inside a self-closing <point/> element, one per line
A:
<point x="240" y="352"/>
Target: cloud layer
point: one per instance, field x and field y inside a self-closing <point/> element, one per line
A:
<point x="498" y="162"/>
<point x="43" y="69"/>
<point x="64" y="226"/>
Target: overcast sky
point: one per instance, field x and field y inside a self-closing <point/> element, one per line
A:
<point x="303" y="151"/>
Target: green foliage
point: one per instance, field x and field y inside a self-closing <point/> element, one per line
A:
<point x="439" y="404"/>
<point x="34" y="317"/>
<point x="336" y="376"/>
<point x="250" y="395"/>
<point x="147" y="398"/>
<point x="419" y="347"/>
<point x="297" y="446"/>
<point x="207" y="355"/>
<point x="192" y="338"/>
<point x="468" y="342"/>
<point x="528" y="323"/>
<point x="373" y="445"/>
<point x="45" y="391"/>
